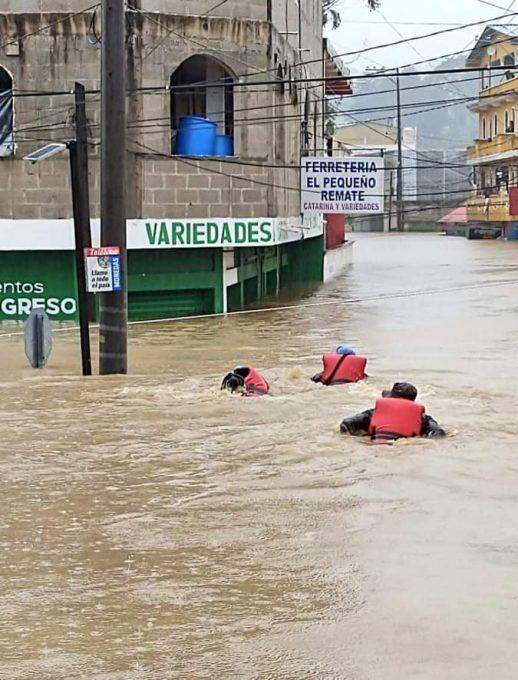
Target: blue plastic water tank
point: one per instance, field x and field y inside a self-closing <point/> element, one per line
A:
<point x="196" y="137"/>
<point x="224" y="146"/>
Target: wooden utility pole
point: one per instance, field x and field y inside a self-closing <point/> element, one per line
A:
<point x="399" y="188"/>
<point x="78" y="150"/>
<point x="113" y="307"/>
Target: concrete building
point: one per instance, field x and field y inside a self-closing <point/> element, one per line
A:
<point x="239" y="66"/>
<point x="433" y="180"/>
<point x="494" y="155"/>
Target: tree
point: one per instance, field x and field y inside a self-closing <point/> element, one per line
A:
<point x="330" y="14"/>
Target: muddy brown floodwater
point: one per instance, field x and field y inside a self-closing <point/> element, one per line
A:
<point x="154" y="528"/>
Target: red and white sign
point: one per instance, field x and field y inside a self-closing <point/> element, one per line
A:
<point x="103" y="269"/>
<point x="102" y="252"/>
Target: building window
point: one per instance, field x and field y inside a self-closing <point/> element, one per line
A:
<point x="484" y="128"/>
<point x="502" y="178"/>
<point x="496" y="125"/>
<point x="191" y="95"/>
<point x="6" y="114"/>
<point x="507" y="121"/>
<point x="280" y="79"/>
<point x="509" y="60"/>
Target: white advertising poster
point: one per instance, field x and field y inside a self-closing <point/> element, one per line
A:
<point x="350" y="184"/>
<point x="103" y="269"/>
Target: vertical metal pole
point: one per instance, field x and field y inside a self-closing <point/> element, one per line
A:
<point x="391" y="191"/>
<point x="113" y="308"/>
<point x="38" y="328"/>
<point x="299" y="9"/>
<point x="81" y="207"/>
<point x="399" y="187"/>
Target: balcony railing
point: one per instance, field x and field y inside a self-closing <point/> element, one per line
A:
<point x="506" y="141"/>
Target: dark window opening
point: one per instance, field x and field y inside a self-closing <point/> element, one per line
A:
<point x="502" y="178"/>
<point x="202" y="86"/>
<point x="6" y="114"/>
<point x="280" y="79"/>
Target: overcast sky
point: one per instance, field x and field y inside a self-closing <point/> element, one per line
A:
<point x="362" y="28"/>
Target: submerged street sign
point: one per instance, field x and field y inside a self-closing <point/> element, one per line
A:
<point x="348" y="184"/>
<point x="103" y="269"/>
<point x="38" y="338"/>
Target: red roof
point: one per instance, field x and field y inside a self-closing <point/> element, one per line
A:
<point x="458" y="215"/>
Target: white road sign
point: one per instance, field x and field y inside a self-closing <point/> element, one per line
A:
<point x="348" y="184"/>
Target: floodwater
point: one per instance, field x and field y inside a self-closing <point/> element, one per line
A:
<point x="154" y="528"/>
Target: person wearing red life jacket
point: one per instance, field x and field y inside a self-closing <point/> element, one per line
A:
<point x="247" y="381"/>
<point x="341" y="366"/>
<point x="395" y="415"/>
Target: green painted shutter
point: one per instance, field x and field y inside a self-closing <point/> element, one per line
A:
<point x="169" y="303"/>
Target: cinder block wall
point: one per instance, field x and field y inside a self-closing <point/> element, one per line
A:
<point x="158" y="186"/>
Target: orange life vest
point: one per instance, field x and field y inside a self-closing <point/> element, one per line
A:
<point x="341" y="368"/>
<point x="394" y="418"/>
<point x="255" y="384"/>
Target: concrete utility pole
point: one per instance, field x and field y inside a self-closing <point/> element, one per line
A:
<point x="81" y="204"/>
<point x="399" y="188"/>
<point x="113" y="307"/>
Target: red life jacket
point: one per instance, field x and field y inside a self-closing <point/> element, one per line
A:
<point x="341" y="368"/>
<point x="393" y="418"/>
<point x="255" y="384"/>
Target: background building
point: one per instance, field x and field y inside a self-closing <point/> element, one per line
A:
<point x="239" y="66"/>
<point x="494" y="155"/>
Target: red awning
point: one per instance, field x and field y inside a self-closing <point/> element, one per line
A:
<point x="458" y="215"/>
<point x="335" y="68"/>
<point x="338" y="88"/>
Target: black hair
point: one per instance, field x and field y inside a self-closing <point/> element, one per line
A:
<point x="232" y="382"/>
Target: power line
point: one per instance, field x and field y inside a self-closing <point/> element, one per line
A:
<point x="417" y="37"/>
<point x="197" y="164"/>
<point x="166" y="89"/>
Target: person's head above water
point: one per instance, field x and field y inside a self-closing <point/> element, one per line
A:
<point x="401" y="390"/>
<point x="232" y="382"/>
<point x="345" y="349"/>
<point x="243" y="371"/>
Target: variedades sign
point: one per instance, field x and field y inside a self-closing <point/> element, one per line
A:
<point x="165" y="232"/>
<point x="218" y="232"/>
<point x="203" y="233"/>
<point x="348" y="184"/>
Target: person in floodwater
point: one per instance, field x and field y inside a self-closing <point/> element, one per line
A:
<point x="395" y="415"/>
<point x="247" y="381"/>
<point x="341" y="366"/>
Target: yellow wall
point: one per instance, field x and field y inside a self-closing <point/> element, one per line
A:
<point x="502" y="48"/>
<point x="367" y="135"/>
<point x="500" y="106"/>
<point x="492" y="121"/>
